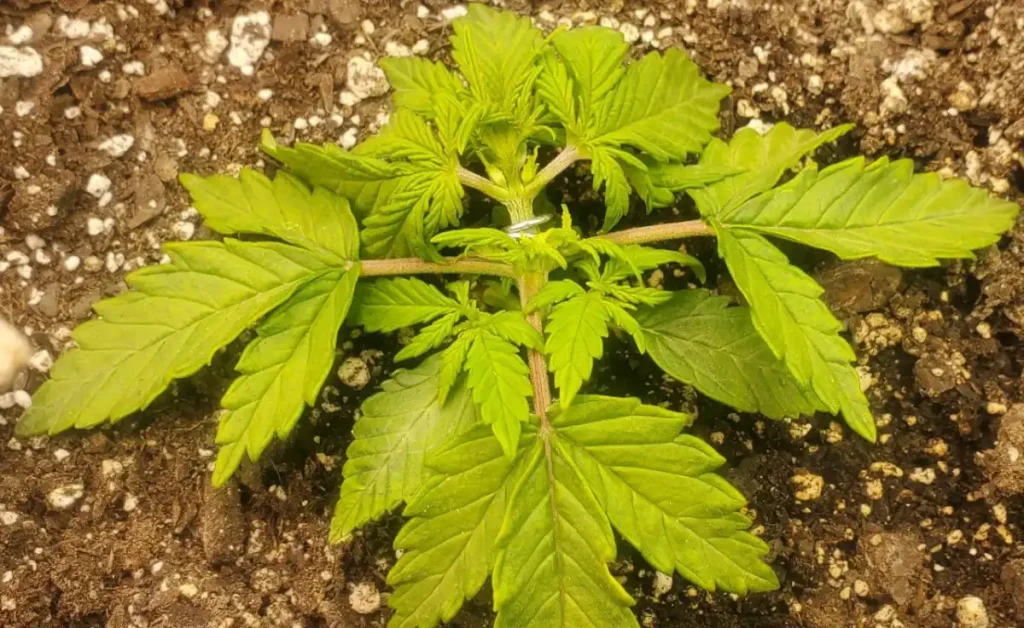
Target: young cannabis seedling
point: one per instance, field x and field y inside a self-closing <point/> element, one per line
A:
<point x="491" y="487"/>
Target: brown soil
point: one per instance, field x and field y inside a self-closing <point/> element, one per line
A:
<point x="899" y="532"/>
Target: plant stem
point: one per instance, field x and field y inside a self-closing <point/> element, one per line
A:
<point x="416" y="266"/>
<point x="563" y="160"/>
<point x="528" y="286"/>
<point x="471" y="179"/>
<point x="660" y="233"/>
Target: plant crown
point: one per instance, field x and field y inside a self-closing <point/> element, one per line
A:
<point x="492" y="487"/>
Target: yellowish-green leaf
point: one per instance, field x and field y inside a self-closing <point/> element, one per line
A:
<point x="397" y="429"/>
<point x="282" y="369"/>
<point x="880" y="210"/>
<point x="167" y="327"/>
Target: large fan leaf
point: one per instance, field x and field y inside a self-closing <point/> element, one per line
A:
<point x="797" y="325"/>
<point x="761" y="160"/>
<point x="879" y="210"/>
<point x="450" y="543"/>
<point x="284" y="208"/>
<point x="662" y="106"/>
<point x="283" y="369"/>
<point x="169" y="326"/>
<point x="398" y="427"/>
<point x="552" y="568"/>
<point x="660" y="493"/>
<point x="697" y="339"/>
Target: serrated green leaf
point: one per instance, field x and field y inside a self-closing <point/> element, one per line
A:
<point x="390" y="304"/>
<point x="627" y="323"/>
<point x="594" y="58"/>
<point x="401" y="204"/>
<point x="283" y="369"/>
<point x="430" y="337"/>
<point x="575" y="330"/>
<point x="659" y="492"/>
<point x="697" y="339"/>
<point x="609" y="174"/>
<point x="453" y="361"/>
<point x="556" y="90"/>
<point x="450" y="542"/>
<point x="398" y="427"/>
<point x="497" y="53"/>
<point x="419" y="84"/>
<point x="406" y="137"/>
<point x="634" y="258"/>
<point x="763" y="160"/>
<point x="482" y="237"/>
<point x="499" y="379"/>
<point x="662" y="106"/>
<point x="678" y="177"/>
<point x="513" y="327"/>
<point x="554" y="292"/>
<point x="797" y="325"/>
<point x="879" y="210"/>
<point x="318" y="221"/>
<point x="169" y="326"/>
<point x="555" y="546"/>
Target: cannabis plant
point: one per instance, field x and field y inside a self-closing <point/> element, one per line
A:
<point x="490" y="486"/>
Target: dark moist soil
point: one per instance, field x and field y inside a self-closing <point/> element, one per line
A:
<point x="895" y="534"/>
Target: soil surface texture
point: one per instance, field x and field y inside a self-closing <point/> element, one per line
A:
<point x="103" y="103"/>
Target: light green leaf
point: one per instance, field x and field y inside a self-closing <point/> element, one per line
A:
<point x="450" y="542"/>
<point x="677" y="177"/>
<point x="497" y="53"/>
<point x="662" y="106"/>
<point x="283" y="369"/>
<point x="627" y="323"/>
<point x="364" y="181"/>
<point x="397" y="429"/>
<point x="319" y="221"/>
<point x="430" y="337"/>
<point x="576" y="330"/>
<point x="660" y="492"/>
<point x="594" y="57"/>
<point x="391" y="304"/>
<point x="499" y="379"/>
<point x="699" y="340"/>
<point x="555" y="546"/>
<point x="401" y="204"/>
<point x="763" y="160"/>
<point x="609" y="174"/>
<point x="406" y="137"/>
<point x="513" y="327"/>
<point x="419" y="84"/>
<point x="634" y="258"/>
<point x="453" y="362"/>
<point x="554" y="292"/>
<point x="169" y="326"/>
<point x="797" y="325"/>
<point x="556" y="90"/>
<point x="880" y="210"/>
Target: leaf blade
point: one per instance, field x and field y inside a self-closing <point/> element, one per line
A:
<point x="176" y="317"/>
<point x="797" y="325"/>
<point x="282" y="370"/>
<point x="660" y="492"/>
<point x="697" y="339"/>
<point x="576" y="330"/>
<point x="880" y="210"/>
<point x="398" y="426"/>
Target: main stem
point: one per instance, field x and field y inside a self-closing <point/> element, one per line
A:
<point x="529" y="285"/>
